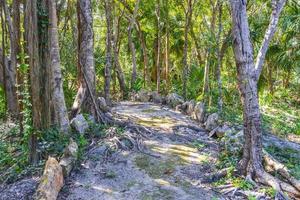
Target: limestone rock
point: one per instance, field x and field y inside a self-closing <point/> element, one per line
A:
<point x="174" y="99"/>
<point x="184" y="107"/>
<point x="222" y="130"/>
<point x="143" y="96"/>
<point x="102" y="104"/>
<point x="156" y="97"/>
<point x="69" y="158"/>
<point x="212" y="121"/>
<point x="79" y="124"/>
<point x="199" y="112"/>
<point x="51" y="181"/>
<point x="190" y="107"/>
<point x="233" y="141"/>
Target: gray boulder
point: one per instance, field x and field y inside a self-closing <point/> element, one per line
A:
<point x="174" y="99"/>
<point x="102" y="104"/>
<point x="190" y="107"/>
<point x="156" y="97"/>
<point x="69" y="158"/>
<point x="143" y="96"/>
<point x="199" y="112"/>
<point x="79" y="124"/>
<point x="212" y="121"/>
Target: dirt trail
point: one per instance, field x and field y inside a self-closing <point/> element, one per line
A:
<point x="179" y="159"/>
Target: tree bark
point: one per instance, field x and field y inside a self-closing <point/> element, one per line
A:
<point x="188" y="18"/>
<point x="118" y="68"/>
<point x="131" y="43"/>
<point x="11" y="70"/>
<point x="57" y="93"/>
<point x="219" y="62"/>
<point x="43" y="26"/>
<point x="31" y="37"/>
<point x="86" y="69"/>
<point x="108" y="62"/>
<point x="167" y="49"/>
<point x="251" y="163"/>
<point x="158" y="68"/>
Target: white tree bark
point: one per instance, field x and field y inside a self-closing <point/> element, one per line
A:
<point x="57" y="93"/>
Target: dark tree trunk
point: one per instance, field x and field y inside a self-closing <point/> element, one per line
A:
<point x="31" y="37"/>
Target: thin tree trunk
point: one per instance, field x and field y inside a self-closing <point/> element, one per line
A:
<point x="131" y="43"/>
<point x="158" y="68"/>
<point x="57" y="93"/>
<point x="31" y="36"/>
<point x="143" y="44"/>
<point x="167" y="49"/>
<point x="11" y="89"/>
<point x="188" y="18"/>
<point x="118" y="68"/>
<point x="86" y="68"/>
<point x="219" y="62"/>
<point x="108" y="64"/>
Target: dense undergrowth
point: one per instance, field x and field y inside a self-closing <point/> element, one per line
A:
<point x="14" y="150"/>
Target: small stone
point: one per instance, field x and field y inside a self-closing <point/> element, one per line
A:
<point x="51" y="181"/>
<point x="221" y="131"/>
<point x="212" y="121"/>
<point x="173" y="100"/>
<point x="79" y="124"/>
<point x="143" y="96"/>
<point x="102" y="104"/>
<point x="156" y="97"/>
<point x="190" y="107"/>
<point x="69" y="158"/>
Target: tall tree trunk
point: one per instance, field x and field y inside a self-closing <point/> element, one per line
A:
<point x="206" y="82"/>
<point x="167" y="50"/>
<point x="131" y="43"/>
<point x="158" y="68"/>
<point x="248" y="75"/>
<point x="31" y="37"/>
<point x="108" y="62"/>
<point x="86" y="68"/>
<point x="188" y="18"/>
<point x="118" y="68"/>
<point x="11" y="89"/>
<point x="57" y="93"/>
<point x="219" y="62"/>
<point x="42" y="17"/>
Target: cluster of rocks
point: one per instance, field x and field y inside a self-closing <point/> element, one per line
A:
<point x="196" y="110"/>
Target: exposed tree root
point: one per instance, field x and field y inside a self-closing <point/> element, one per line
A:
<point x="292" y="185"/>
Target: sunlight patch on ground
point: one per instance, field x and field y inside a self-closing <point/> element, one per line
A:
<point x="162" y="182"/>
<point x="188" y="155"/>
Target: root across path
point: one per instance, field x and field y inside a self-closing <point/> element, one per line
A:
<point x="172" y="164"/>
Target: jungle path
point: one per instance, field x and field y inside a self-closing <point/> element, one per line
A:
<point x="178" y="156"/>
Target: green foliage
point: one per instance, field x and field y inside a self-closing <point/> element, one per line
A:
<point x="288" y="157"/>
